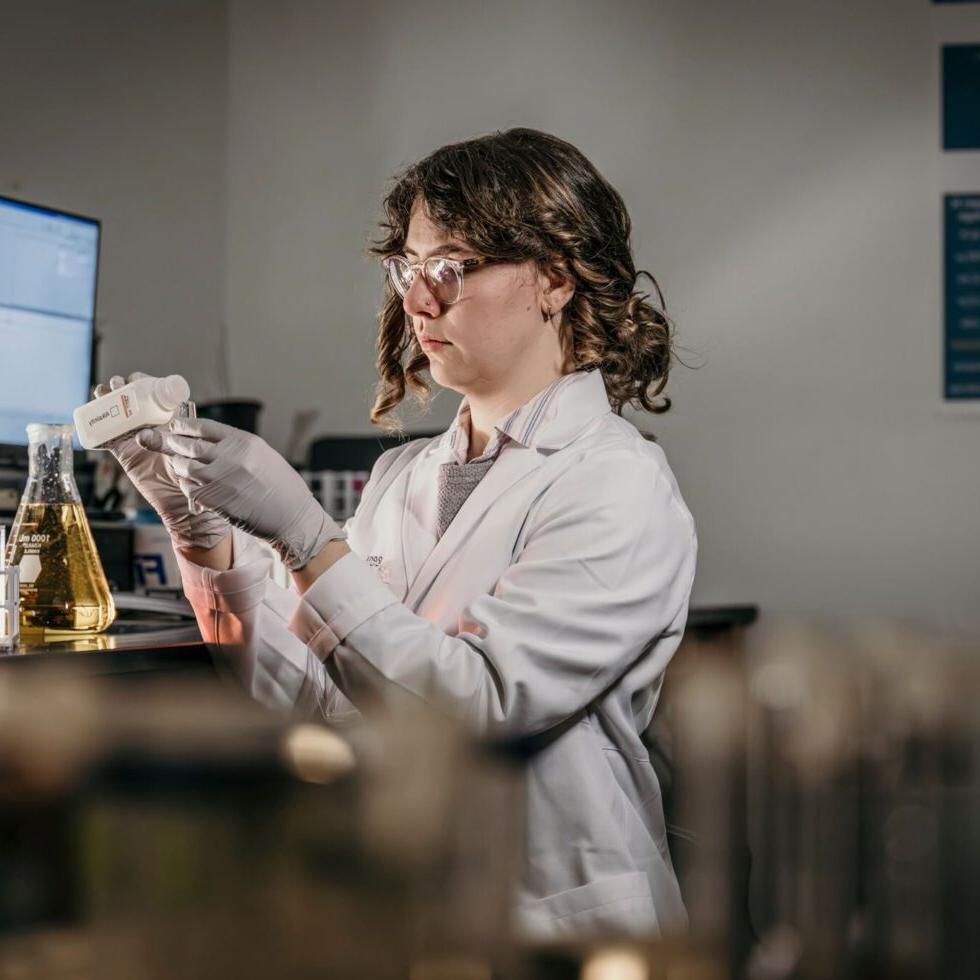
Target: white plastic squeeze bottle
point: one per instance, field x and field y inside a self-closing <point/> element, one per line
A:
<point x="146" y="401"/>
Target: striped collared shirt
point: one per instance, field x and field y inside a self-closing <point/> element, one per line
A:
<point x="518" y="427"/>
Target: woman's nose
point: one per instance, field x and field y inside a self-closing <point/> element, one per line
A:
<point x="419" y="299"/>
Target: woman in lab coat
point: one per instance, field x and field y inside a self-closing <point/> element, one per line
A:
<point x="529" y="570"/>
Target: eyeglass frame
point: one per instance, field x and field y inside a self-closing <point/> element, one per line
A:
<point x="460" y="265"/>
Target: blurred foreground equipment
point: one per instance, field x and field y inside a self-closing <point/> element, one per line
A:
<point x="827" y="800"/>
<point x="181" y="831"/>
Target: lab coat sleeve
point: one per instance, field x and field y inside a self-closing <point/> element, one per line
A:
<point x="605" y="571"/>
<point x="245" y="613"/>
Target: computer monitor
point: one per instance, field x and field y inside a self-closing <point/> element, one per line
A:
<point x="48" y="270"/>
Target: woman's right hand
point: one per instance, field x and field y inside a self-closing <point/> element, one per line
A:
<point x="154" y="479"/>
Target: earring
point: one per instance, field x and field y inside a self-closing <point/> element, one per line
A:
<point x="546" y="316"/>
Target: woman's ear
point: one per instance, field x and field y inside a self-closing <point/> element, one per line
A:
<point x="556" y="289"/>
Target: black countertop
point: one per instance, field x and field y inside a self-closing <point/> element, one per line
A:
<point x="149" y="634"/>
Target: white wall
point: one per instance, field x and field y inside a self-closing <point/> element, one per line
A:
<point x="781" y="163"/>
<point x="116" y="109"/>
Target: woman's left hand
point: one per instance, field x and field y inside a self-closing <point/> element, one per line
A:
<point x="242" y="477"/>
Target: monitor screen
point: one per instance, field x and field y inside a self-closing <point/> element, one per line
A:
<point x="48" y="267"/>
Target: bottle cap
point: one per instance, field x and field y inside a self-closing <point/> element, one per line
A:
<point x="171" y="391"/>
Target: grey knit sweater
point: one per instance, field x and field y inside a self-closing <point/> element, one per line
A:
<point x="456" y="482"/>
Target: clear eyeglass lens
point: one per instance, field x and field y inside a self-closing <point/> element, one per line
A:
<point x="400" y="274"/>
<point x="441" y="277"/>
<point x="443" y="280"/>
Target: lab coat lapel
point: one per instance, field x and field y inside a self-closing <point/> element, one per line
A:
<point x="514" y="463"/>
<point x="417" y="537"/>
<point x="577" y="407"/>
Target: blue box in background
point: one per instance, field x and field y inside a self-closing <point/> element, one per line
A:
<point x="961" y="96"/>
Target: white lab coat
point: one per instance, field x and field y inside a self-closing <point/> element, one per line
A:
<point x="567" y="572"/>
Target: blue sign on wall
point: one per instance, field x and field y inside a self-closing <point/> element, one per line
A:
<point x="961" y="96"/>
<point x="962" y="296"/>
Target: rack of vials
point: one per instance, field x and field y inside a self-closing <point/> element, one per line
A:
<point x="338" y="491"/>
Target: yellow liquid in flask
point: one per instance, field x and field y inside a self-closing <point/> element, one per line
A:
<point x="62" y="584"/>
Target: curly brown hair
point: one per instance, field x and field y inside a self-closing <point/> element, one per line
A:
<point x="524" y="195"/>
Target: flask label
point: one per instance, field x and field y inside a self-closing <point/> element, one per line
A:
<point x="30" y="568"/>
<point x="32" y="543"/>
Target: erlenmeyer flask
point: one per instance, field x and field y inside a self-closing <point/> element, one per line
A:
<point x="62" y="584"/>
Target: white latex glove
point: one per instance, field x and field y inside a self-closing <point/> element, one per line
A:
<point x="242" y="477"/>
<point x="154" y="478"/>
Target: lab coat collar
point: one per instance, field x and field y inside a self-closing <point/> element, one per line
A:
<point x="575" y="406"/>
<point x="576" y="403"/>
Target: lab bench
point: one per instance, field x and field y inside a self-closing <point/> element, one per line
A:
<point x="153" y="634"/>
<point x="150" y="635"/>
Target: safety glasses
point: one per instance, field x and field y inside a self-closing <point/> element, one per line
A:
<point x="443" y="276"/>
